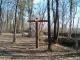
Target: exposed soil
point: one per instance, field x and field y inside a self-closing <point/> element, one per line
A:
<point x="24" y="49"/>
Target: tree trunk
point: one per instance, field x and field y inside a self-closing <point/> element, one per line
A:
<point x="49" y="27"/>
<point x="63" y="17"/>
<point x="22" y="26"/>
<point x="10" y="27"/>
<point x="56" y="24"/>
<point x="57" y="29"/>
<point x="15" y="23"/>
<point x="76" y="40"/>
<point x="55" y="35"/>
<point x="70" y="26"/>
<point x="18" y="25"/>
<point x="29" y="25"/>
<point x="0" y="17"/>
<point x="7" y="21"/>
<point x="74" y="19"/>
<point x="30" y="3"/>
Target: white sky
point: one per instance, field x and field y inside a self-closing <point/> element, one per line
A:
<point x="36" y="1"/>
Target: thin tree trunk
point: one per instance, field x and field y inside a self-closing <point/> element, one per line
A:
<point x="49" y="27"/>
<point x="10" y="27"/>
<point x="29" y="25"/>
<point x="22" y="26"/>
<point x="55" y="35"/>
<point x="76" y="41"/>
<point x="57" y="18"/>
<point x="63" y="16"/>
<point x="74" y="19"/>
<point x="7" y="22"/>
<point x="20" y="22"/>
<point x="63" y="13"/>
<point x="29" y="14"/>
<point x="18" y="25"/>
<point x="54" y="16"/>
<point x="15" y="23"/>
<point x="56" y="28"/>
<point x="0" y="17"/>
<point x="70" y="26"/>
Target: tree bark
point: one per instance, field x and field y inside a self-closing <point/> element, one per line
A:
<point x="70" y="26"/>
<point x="49" y="27"/>
<point x="0" y="17"/>
<point x="15" y="23"/>
<point x="63" y="16"/>
<point x="29" y="15"/>
<point x="22" y="26"/>
<point x="7" y="21"/>
<point x="76" y="40"/>
<point x="56" y="24"/>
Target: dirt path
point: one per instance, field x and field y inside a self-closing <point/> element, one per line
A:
<point x="24" y="49"/>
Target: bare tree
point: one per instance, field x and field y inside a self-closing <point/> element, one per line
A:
<point x="72" y="7"/>
<point x="15" y="22"/>
<point x="30" y="7"/>
<point x="21" y="7"/>
<point x="57" y="18"/>
<point x="49" y="27"/>
<point x="76" y="40"/>
<point x="70" y="26"/>
<point x="56" y="23"/>
<point x="7" y="19"/>
<point x="0" y="16"/>
<point x="10" y="17"/>
<point x="63" y="14"/>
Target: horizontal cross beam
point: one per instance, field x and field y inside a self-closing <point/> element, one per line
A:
<point x="37" y="32"/>
<point x="38" y="21"/>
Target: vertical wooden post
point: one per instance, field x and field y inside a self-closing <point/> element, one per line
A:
<point x="37" y="34"/>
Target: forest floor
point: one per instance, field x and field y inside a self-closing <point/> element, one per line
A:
<point x="24" y="49"/>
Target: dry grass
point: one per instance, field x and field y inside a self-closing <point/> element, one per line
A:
<point x="24" y="49"/>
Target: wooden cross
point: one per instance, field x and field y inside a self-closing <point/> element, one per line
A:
<point x="37" y="32"/>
